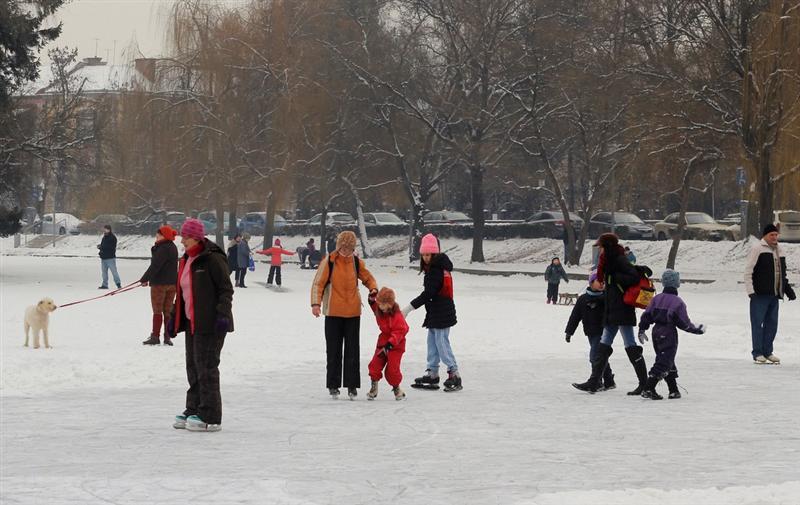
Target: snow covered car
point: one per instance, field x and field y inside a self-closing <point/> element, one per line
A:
<point x="332" y="218"/>
<point x="446" y="217"/>
<point x="62" y="224"/>
<point x="788" y="222"/>
<point x="552" y="222"/>
<point x="383" y="218"/>
<point x="119" y="223"/>
<point x="699" y="226"/>
<point x="625" y="224"/>
<point x="254" y="222"/>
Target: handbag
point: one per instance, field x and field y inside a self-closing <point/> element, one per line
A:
<point x="640" y="294"/>
<point x="251" y="265"/>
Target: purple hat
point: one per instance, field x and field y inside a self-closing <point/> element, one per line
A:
<point x="193" y="228"/>
<point x="593" y="276"/>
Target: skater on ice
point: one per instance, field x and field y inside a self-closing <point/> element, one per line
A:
<point x="766" y="283"/>
<point x="203" y="311"/>
<point x="553" y="275"/>
<point x="335" y="293"/>
<point x="391" y="343"/>
<point x="588" y="311"/>
<point x="666" y="313"/>
<point x="161" y="276"/>
<point x="243" y="256"/>
<point x="233" y="250"/>
<point x="276" y="252"/>
<point x="108" y="257"/>
<point x="440" y="315"/>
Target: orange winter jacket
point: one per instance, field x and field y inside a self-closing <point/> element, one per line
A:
<point x="340" y="297"/>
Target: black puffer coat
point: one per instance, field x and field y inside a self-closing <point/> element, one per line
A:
<point x="619" y="275"/>
<point x="163" y="270"/>
<point x="440" y="309"/>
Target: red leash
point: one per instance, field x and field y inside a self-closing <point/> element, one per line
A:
<point x="129" y="287"/>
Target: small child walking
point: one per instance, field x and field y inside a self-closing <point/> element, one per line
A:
<point x="276" y="261"/>
<point x="589" y="310"/>
<point x="667" y="311"/>
<point x="553" y="275"/>
<point x="391" y="343"/>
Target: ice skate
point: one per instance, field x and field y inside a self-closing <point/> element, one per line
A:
<point x="427" y="381"/>
<point x="760" y="360"/>
<point x="194" y="423"/>
<point x="180" y="422"/>
<point x="774" y="359"/>
<point x="398" y="393"/>
<point x="674" y="395"/>
<point x="373" y="391"/>
<point x="334" y="392"/>
<point x="352" y="393"/>
<point x="453" y="382"/>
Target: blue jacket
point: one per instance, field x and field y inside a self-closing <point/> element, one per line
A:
<point x="667" y="311"/>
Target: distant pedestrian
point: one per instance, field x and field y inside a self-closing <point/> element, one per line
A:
<point x="243" y="255"/>
<point x="162" y="276"/>
<point x="233" y="251"/>
<point x="629" y="254"/>
<point x="276" y="252"/>
<point x="108" y="257"/>
<point x="553" y="275"/>
<point x="766" y="283"/>
<point x="308" y="253"/>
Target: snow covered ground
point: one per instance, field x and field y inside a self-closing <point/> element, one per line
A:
<point x="89" y="421"/>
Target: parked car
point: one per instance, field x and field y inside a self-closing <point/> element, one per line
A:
<point x="788" y="222"/>
<point x="699" y="226"/>
<point x="624" y="224"/>
<point x="254" y="222"/>
<point x="64" y="223"/>
<point x="332" y="218"/>
<point x="150" y="224"/>
<point x="209" y="219"/>
<point x="382" y="218"/>
<point x="552" y="222"/>
<point x="446" y="217"/>
<point x="175" y="219"/>
<point x="118" y="222"/>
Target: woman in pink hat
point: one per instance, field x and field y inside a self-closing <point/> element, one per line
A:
<point x="440" y="315"/>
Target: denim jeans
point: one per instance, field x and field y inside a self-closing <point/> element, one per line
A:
<point x="104" y="266"/>
<point x="439" y="349"/>
<point x="609" y="332"/>
<point x="763" y="323"/>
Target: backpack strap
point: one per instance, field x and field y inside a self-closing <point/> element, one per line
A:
<point x="330" y="269"/>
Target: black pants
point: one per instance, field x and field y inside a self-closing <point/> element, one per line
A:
<point x="338" y="331"/>
<point x="240" y="276"/>
<point x="666" y="347"/>
<point x="202" y="369"/>
<point x="552" y="291"/>
<point x="274" y="272"/>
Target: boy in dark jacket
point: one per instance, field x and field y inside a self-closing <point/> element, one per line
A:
<point x="553" y="275"/>
<point x="668" y="313"/>
<point x="589" y="310"/>
<point x="108" y="257"/>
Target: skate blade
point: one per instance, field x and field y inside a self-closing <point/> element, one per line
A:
<point x="767" y="363"/>
<point x="452" y="390"/>
<point x="425" y="386"/>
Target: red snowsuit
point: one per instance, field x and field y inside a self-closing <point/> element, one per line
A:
<point x="275" y="252"/>
<point x="393" y="328"/>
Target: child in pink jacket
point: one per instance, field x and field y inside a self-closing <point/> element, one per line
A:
<point x="391" y="343"/>
<point x="275" y="264"/>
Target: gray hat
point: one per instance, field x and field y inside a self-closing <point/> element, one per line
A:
<point x="671" y="279"/>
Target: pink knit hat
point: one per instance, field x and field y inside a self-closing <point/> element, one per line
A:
<point x="193" y="228"/>
<point x="278" y="242"/>
<point x="429" y="245"/>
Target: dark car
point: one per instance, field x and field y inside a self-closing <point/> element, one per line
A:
<point x="446" y="217"/>
<point x="624" y="224"/>
<point x="120" y="223"/>
<point x="254" y="222"/>
<point x="383" y="218"/>
<point x="551" y="222"/>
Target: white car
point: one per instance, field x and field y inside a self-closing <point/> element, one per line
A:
<point x="332" y="218"/>
<point x="64" y="223"/>
<point x="382" y="218"/>
<point x="699" y="226"/>
<point x="788" y="222"/>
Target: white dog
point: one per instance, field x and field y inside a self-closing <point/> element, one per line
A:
<point x="37" y="317"/>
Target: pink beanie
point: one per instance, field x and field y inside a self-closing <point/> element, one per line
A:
<point x="429" y="245"/>
<point x="278" y="242"/>
<point x="193" y="228"/>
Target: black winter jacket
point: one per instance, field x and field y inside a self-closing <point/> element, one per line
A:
<point x="759" y="276"/>
<point x="588" y="309"/>
<point x="108" y="246"/>
<point x="163" y="269"/>
<point x="619" y="275"/>
<point x="212" y="290"/>
<point x="440" y="310"/>
<point x="233" y="252"/>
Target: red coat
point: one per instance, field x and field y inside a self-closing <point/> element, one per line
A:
<point x="276" y="252"/>
<point x="393" y="327"/>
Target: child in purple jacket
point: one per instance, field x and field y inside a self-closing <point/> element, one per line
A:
<point x="668" y="313"/>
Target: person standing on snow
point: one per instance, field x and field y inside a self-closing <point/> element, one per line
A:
<point x="233" y="251"/>
<point x="589" y="310"/>
<point x="275" y="262"/>
<point x="161" y="276"/>
<point x="667" y="311"/>
<point x="391" y="343"/>
<point x="440" y="315"/>
<point x="334" y="293"/>
<point x="766" y="283"/>
<point x="618" y="274"/>
<point x="203" y="310"/>
<point x="243" y="259"/>
<point x="553" y="275"/>
<point x="108" y="257"/>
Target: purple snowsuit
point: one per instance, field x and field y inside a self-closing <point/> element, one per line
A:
<point x="668" y="313"/>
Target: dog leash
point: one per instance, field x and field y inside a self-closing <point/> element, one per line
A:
<point x="129" y="287"/>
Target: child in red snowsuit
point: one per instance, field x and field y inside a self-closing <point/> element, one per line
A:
<point x="391" y="343"/>
<point x="275" y="262"/>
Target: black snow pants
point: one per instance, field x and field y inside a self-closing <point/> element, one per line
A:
<point x="339" y="331"/>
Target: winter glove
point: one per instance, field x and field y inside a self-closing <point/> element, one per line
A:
<point x="568" y="337"/>
<point x="701" y="329"/>
<point x="407" y="310"/>
<point x="388" y="347"/>
<point x="372" y="297"/>
<point x="223" y="324"/>
<point x="790" y="293"/>
<point x="642" y="337"/>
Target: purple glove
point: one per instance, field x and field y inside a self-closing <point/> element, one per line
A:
<point x="223" y="324"/>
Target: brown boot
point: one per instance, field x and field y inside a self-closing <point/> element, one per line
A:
<point x="167" y="341"/>
<point x="153" y="340"/>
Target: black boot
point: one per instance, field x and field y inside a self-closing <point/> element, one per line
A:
<point x="152" y="340"/>
<point x="608" y="379"/>
<point x="593" y="384"/>
<point x="637" y="360"/>
<point x="672" y="384"/>
<point x="649" y="390"/>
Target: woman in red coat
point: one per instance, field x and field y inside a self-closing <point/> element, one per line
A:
<point x="391" y="343"/>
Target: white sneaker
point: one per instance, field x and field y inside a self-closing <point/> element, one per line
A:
<point x="760" y="360"/>
<point x="773" y="358"/>
<point x="194" y="423"/>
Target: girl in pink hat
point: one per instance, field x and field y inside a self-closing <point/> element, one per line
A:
<point x="440" y="315"/>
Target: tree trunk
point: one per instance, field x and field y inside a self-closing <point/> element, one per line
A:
<point x="478" y="220"/>
<point x="220" y="210"/>
<point x="269" y="221"/>
<point x="766" y="214"/>
<point x="323" y="232"/>
<point x="233" y="226"/>
<point x="676" y="238"/>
